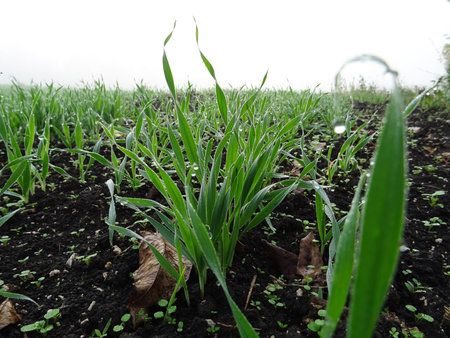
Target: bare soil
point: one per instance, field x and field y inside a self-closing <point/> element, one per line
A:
<point x="44" y="236"/>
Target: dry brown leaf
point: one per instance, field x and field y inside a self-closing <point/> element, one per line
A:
<point x="8" y="314"/>
<point x="151" y="281"/>
<point x="309" y="255"/>
<point x="285" y="261"/>
<point x="291" y="265"/>
<point x="296" y="170"/>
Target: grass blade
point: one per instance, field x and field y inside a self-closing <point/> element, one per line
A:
<point x="343" y="266"/>
<point x="382" y="224"/>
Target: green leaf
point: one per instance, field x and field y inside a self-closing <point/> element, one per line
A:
<point x="16" y="174"/>
<point x="5" y="218"/>
<point x="207" y="248"/>
<point x="343" y="266"/>
<point x="382" y="223"/>
<point x="16" y="296"/>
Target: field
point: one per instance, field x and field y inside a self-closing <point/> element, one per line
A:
<point x="238" y="182"/>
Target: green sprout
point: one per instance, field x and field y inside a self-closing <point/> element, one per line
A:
<point x="44" y="326"/>
<point x="125" y="318"/>
<point x="433" y="198"/>
<point x="418" y="316"/>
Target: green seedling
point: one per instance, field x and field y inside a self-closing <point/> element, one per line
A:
<point x="143" y="316"/>
<point x="271" y="297"/>
<point x="38" y="281"/>
<point x="433" y="198"/>
<point x="256" y="304"/>
<point x="124" y="319"/>
<point x="281" y="325"/>
<point x="418" y="316"/>
<point x="416" y="287"/>
<point x="213" y="329"/>
<point x="414" y="334"/>
<point x="24" y="260"/>
<point x="44" y="326"/>
<point x="180" y="326"/>
<point x="167" y="314"/>
<point x="87" y="259"/>
<point x="307" y="280"/>
<point x="433" y="222"/>
<point x="406" y="272"/>
<point x="5" y="239"/>
<point x="393" y="332"/>
<point x="78" y="232"/>
<point x="25" y="275"/>
<point x="317" y="324"/>
<point x="100" y="334"/>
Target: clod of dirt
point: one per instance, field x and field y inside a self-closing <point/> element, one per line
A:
<point x="151" y="281"/>
<point x="8" y="314"/>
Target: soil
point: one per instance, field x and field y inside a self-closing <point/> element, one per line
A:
<point x="46" y="233"/>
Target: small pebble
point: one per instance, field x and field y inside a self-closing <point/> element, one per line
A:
<point x="438" y="240"/>
<point x="210" y="322"/>
<point x="70" y="260"/>
<point x="117" y="251"/>
<point x="108" y="265"/>
<point x="54" y="273"/>
<point x="91" y="306"/>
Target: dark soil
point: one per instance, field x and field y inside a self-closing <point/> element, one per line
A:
<point x="44" y="236"/>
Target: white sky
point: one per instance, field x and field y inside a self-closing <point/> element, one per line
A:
<point x="302" y="43"/>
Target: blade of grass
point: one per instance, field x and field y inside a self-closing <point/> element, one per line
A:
<point x="382" y="224"/>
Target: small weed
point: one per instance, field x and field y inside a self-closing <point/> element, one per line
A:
<point x="5" y="239"/>
<point x="256" y="304"/>
<point x="125" y="318"/>
<point x="272" y="298"/>
<point x="317" y="325"/>
<point x="44" y="326"/>
<point x="180" y="326"/>
<point x="213" y="329"/>
<point x="433" y="198"/>
<point x="170" y="309"/>
<point x="78" y="232"/>
<point x="25" y="275"/>
<point x="433" y="222"/>
<point x="281" y="325"/>
<point x="24" y="260"/>
<point x="418" y="316"/>
<point x="38" y="282"/>
<point x="87" y="259"/>
<point x="100" y="334"/>
<point x="416" y="287"/>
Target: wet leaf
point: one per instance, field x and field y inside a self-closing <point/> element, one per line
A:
<point x="151" y="281"/>
<point x="8" y="314"/>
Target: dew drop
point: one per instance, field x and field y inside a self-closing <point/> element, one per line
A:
<point x="338" y="126"/>
<point x="339" y="129"/>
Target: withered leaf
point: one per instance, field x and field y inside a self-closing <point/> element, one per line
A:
<point x="308" y="263"/>
<point x="151" y="281"/>
<point x="285" y="261"/>
<point x="8" y="314"/>
<point x="309" y="255"/>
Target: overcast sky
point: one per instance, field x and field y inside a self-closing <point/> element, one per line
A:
<point x="302" y="43"/>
